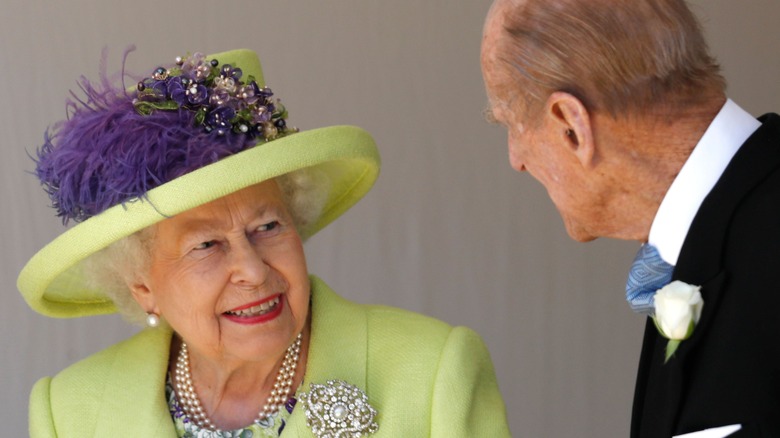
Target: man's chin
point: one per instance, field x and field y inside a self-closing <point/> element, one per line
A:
<point x="578" y="233"/>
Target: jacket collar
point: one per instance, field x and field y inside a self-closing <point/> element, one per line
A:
<point x="338" y="347"/>
<point x="138" y="371"/>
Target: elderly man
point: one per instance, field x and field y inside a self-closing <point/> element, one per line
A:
<point x="618" y="109"/>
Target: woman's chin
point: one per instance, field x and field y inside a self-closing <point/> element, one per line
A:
<point x="254" y="336"/>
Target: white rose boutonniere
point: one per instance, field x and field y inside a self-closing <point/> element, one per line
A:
<point x="677" y="310"/>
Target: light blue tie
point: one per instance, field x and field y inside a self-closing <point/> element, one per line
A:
<point x="648" y="273"/>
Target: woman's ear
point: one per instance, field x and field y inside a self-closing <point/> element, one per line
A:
<point x="143" y="295"/>
<point x="571" y="117"/>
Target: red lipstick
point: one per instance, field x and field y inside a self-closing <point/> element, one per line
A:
<point x="254" y="313"/>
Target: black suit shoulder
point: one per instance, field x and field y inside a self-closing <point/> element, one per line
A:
<point x="729" y="371"/>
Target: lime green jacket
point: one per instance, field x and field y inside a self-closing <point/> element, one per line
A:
<point x="424" y="378"/>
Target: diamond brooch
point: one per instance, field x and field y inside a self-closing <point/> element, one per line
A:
<point x="338" y="410"/>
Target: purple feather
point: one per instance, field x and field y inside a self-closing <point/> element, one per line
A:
<point x="106" y="153"/>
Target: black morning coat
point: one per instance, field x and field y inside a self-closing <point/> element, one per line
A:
<point x="728" y="372"/>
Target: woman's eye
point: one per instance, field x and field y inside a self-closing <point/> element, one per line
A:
<point x="270" y="226"/>
<point x="204" y="245"/>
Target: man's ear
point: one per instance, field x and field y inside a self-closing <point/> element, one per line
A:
<point x="571" y="117"/>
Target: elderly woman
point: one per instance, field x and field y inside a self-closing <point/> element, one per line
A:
<point x="192" y="198"/>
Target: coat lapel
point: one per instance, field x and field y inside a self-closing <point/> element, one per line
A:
<point x="660" y="387"/>
<point x="338" y="348"/>
<point x="701" y="256"/>
<point x="134" y="397"/>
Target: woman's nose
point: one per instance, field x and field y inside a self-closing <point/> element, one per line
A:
<point x="248" y="269"/>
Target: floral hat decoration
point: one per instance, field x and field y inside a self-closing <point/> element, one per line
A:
<point x="189" y="133"/>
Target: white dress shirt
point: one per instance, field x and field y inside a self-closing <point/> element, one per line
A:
<point x="722" y="139"/>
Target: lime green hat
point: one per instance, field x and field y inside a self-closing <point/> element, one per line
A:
<point x="218" y="100"/>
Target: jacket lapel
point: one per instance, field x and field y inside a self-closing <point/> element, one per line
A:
<point x="701" y="256"/>
<point x="338" y="348"/>
<point x="134" y="397"/>
<point x="660" y="386"/>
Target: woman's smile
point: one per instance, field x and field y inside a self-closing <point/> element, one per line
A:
<point x="258" y="311"/>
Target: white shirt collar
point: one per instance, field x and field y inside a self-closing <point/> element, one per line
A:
<point x="727" y="132"/>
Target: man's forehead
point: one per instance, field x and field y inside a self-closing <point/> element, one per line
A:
<point x="500" y="84"/>
<point x="494" y="51"/>
<point x="500" y="81"/>
<point x="494" y="23"/>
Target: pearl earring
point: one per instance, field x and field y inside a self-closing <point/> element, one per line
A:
<point x="152" y="320"/>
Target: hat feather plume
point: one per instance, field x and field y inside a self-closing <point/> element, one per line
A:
<point x="106" y="153"/>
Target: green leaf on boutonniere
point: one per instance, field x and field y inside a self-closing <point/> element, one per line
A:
<point x="671" y="347"/>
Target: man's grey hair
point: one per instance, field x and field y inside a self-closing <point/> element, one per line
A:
<point x="617" y="56"/>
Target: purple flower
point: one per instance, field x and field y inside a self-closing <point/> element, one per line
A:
<point x="261" y="114"/>
<point x="230" y="72"/>
<point x="158" y="87"/>
<point x="219" y="97"/>
<point x="219" y="118"/>
<point x="208" y="89"/>
<point x="227" y="84"/>
<point x="177" y="90"/>
<point x="201" y="72"/>
<point x="247" y="94"/>
<point x="197" y="94"/>
<point x="265" y="91"/>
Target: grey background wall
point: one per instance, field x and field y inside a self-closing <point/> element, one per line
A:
<point x="450" y="230"/>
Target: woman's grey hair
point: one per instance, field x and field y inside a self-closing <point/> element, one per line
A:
<point x="304" y="191"/>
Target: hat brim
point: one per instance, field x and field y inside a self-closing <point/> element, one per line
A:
<point x="52" y="282"/>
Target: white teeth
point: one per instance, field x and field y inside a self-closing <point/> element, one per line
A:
<point x="260" y="309"/>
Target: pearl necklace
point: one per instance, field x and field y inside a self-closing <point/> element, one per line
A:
<point x="189" y="401"/>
